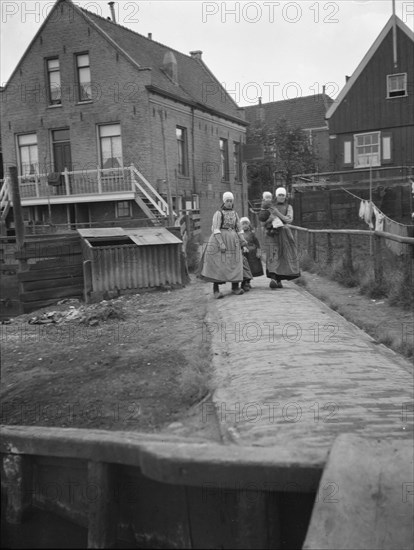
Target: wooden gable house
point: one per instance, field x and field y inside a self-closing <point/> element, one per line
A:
<point x="371" y="123"/>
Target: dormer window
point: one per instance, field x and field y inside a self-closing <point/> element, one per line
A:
<point x="396" y="85"/>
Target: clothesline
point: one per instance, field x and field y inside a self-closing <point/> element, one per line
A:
<point x="371" y="201"/>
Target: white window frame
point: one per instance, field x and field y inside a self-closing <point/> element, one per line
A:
<point x="398" y="87"/>
<point x="54" y="81"/>
<point x="110" y="132"/>
<point x="360" y="150"/>
<point x="120" y="205"/>
<point x="28" y="142"/>
<point x="83" y="70"/>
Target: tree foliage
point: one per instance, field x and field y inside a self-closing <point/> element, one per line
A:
<point x="287" y="151"/>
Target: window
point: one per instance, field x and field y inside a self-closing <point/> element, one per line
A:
<point x="84" y="77"/>
<point x="224" y="159"/>
<point x="110" y="146"/>
<point x="347" y="152"/>
<point x="367" y="150"/>
<point x="123" y="209"/>
<point x="28" y="155"/>
<point x="182" y="148"/>
<point x="54" y="87"/>
<point x="396" y="85"/>
<point x="237" y="161"/>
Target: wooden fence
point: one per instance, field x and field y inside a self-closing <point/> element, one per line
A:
<point x="50" y="269"/>
<point x="72" y="488"/>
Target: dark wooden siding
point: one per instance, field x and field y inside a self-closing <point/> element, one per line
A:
<point x="365" y="107"/>
<point x="402" y="147"/>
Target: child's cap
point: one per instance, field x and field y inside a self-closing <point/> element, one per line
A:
<point x="267" y="196"/>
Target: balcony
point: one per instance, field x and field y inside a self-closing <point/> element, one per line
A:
<point x="77" y="186"/>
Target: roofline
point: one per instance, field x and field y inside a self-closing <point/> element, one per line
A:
<point x="367" y="58"/>
<point x="83" y="13"/>
<point x="194" y="104"/>
<point x="286" y="100"/>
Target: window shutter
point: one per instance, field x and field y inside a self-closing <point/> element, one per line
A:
<point x="387" y="148"/>
<point x="347" y="152"/>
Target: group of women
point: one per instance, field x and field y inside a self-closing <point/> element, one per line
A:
<point x="233" y="253"/>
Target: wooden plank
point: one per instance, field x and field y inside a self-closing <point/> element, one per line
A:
<point x="102" y="513"/>
<point x="46" y="284"/>
<point x="51" y="273"/>
<point x="365" y="500"/>
<point x="57" y="262"/>
<point x="49" y="294"/>
<point x="170" y="459"/>
<point x="50" y="251"/>
<point x="18" y="481"/>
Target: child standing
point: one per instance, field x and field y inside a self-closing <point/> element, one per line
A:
<point x="254" y="253"/>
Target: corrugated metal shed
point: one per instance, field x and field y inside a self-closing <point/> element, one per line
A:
<point x="126" y="260"/>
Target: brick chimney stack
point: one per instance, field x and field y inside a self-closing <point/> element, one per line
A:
<point x="196" y="54"/>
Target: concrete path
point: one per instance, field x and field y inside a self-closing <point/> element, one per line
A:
<point x="293" y="373"/>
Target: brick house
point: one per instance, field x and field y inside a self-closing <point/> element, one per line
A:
<point x="108" y="127"/>
<point x="307" y="113"/>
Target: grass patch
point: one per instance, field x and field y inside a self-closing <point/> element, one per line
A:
<point x="196" y="377"/>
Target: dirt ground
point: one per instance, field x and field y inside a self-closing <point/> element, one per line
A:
<point x="140" y="362"/>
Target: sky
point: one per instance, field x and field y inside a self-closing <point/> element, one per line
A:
<point x="273" y="50"/>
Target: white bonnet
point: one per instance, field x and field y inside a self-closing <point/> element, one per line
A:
<point x="244" y="219"/>
<point x="267" y="196"/>
<point x="280" y="191"/>
<point x="227" y="195"/>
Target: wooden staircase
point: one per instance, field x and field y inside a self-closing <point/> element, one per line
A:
<point x="148" y="198"/>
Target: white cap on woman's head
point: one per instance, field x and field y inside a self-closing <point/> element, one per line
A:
<point x="244" y="219"/>
<point x="227" y="195"/>
<point x="280" y="191"/>
<point x="267" y="195"/>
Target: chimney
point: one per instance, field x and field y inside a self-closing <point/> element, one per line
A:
<point x="111" y="7"/>
<point x="150" y="35"/>
<point x="347" y="78"/>
<point x="260" y="101"/>
<point x="196" y="54"/>
<point x="324" y="89"/>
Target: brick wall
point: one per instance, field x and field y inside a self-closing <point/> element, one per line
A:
<point x="120" y="96"/>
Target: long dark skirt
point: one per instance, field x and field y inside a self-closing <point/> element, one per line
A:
<point x="255" y="263"/>
<point x="282" y="261"/>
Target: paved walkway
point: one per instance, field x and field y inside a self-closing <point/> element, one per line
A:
<point x="293" y="373"/>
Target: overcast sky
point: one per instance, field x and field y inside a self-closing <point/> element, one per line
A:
<point x="276" y="50"/>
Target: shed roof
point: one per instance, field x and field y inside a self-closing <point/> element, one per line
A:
<point x="141" y="236"/>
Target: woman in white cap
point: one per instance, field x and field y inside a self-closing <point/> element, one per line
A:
<point x="282" y="261"/>
<point x="222" y="260"/>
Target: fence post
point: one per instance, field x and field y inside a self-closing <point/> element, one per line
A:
<point x="378" y="271"/>
<point x="329" y="255"/>
<point x="314" y="246"/>
<point x="66" y="176"/>
<point x="348" y="253"/>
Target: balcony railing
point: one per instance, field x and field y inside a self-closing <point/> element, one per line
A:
<point x="82" y="182"/>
